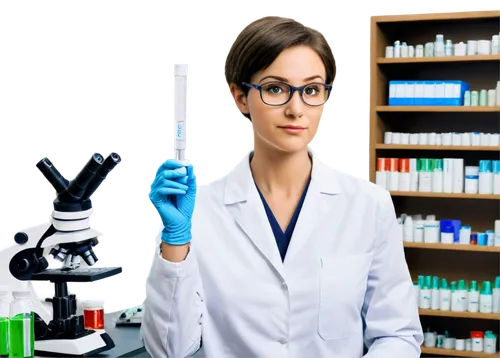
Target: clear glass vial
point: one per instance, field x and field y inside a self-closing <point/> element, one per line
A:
<point x="21" y="326"/>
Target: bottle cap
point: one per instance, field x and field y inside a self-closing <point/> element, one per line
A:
<point x="425" y="165"/>
<point x="485" y="166"/>
<point x="476" y="334"/>
<point x="93" y="304"/>
<point x="444" y="284"/>
<point x="438" y="165"/>
<point x="466" y="227"/>
<point x="489" y="335"/>
<point x="495" y="164"/>
<point x="473" y="286"/>
<point x="421" y="281"/>
<point x="497" y="282"/>
<point x="462" y="285"/>
<point x="453" y="286"/>
<point x="435" y="282"/>
<point x="486" y="288"/>
<point x="428" y="282"/>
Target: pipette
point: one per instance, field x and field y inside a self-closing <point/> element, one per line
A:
<point x="180" y="91"/>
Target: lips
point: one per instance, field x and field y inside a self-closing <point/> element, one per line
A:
<point x="293" y="127"/>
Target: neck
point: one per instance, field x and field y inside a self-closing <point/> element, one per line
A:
<point x="281" y="173"/>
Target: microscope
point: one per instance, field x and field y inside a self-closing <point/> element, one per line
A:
<point x="68" y="238"/>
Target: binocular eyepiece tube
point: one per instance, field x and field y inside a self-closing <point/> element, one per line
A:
<point x="85" y="183"/>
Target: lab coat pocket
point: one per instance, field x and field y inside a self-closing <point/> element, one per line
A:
<point x="343" y="281"/>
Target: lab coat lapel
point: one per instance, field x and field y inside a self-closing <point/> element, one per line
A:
<point x="320" y="199"/>
<point x="244" y="203"/>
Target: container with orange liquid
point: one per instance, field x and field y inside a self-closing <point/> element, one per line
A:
<point x="93" y="314"/>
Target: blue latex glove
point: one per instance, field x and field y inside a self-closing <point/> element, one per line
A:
<point x="173" y="194"/>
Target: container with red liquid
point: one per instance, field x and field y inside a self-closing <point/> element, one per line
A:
<point x="93" y="314"/>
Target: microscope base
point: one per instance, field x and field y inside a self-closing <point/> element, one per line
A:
<point x="89" y="345"/>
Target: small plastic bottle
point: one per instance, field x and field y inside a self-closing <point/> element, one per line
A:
<point x="496" y="296"/>
<point x="454" y="297"/>
<point x="5" y="298"/>
<point x="425" y="293"/>
<point x="21" y="326"/>
<point x="435" y="293"/>
<point x="486" y="298"/>
<point x="448" y="48"/>
<point x="444" y="296"/>
<point x="473" y="297"/>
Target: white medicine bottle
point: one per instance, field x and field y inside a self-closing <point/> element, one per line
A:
<point x="462" y="296"/>
<point x="496" y="296"/>
<point x="454" y="297"/>
<point x="486" y="298"/>
<point x="435" y="293"/>
<point x="444" y="296"/>
<point x="5" y="299"/>
<point x="473" y="298"/>
<point x="408" y="229"/>
<point x="425" y="292"/>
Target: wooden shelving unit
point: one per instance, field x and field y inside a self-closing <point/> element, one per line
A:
<point x="453" y="262"/>
<point x="438" y="147"/>
<point x="455" y="353"/>
<point x="453" y="247"/>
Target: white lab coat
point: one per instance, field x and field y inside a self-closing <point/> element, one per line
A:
<point x="344" y="280"/>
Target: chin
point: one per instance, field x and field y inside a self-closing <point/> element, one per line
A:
<point x="290" y="146"/>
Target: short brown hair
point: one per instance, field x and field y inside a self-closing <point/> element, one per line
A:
<point x="258" y="45"/>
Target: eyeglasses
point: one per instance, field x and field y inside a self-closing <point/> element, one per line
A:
<point x="280" y="93"/>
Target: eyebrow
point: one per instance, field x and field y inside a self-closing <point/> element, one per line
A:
<point x="285" y="80"/>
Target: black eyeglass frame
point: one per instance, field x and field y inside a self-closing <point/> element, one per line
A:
<point x="292" y="91"/>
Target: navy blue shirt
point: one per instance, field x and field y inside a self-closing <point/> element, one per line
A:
<point x="283" y="238"/>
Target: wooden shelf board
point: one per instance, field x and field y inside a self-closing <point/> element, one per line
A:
<point x="478" y="315"/>
<point x="474" y="58"/>
<point x="439" y="147"/>
<point x="452" y="247"/>
<point x="445" y="195"/>
<point x="455" y="353"/>
<point x="475" y="109"/>
<point x="438" y="16"/>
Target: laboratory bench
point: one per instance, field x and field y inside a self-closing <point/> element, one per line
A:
<point x="127" y="340"/>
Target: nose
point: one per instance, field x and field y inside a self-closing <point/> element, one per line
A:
<point x="294" y="107"/>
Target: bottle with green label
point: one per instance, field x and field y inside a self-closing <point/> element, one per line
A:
<point x="21" y="326"/>
<point x="486" y="298"/>
<point x="444" y="296"/>
<point x="5" y="298"/>
<point x="473" y="297"/>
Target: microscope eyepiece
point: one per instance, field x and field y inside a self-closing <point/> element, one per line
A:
<point x="77" y="187"/>
<point x="111" y="161"/>
<point x="52" y="174"/>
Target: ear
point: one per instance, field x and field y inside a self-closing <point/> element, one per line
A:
<point x="239" y="98"/>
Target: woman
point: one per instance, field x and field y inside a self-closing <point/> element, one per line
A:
<point x="283" y="257"/>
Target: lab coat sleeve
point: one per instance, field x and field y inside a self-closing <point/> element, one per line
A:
<point x="390" y="309"/>
<point x="173" y="308"/>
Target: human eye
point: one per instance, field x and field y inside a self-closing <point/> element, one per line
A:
<point x="274" y="88"/>
<point x="313" y="90"/>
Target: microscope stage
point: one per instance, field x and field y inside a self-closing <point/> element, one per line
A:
<point x="78" y="275"/>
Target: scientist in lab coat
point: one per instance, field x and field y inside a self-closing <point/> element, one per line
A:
<point x="284" y="256"/>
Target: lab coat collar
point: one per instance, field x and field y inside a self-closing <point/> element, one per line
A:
<point x="245" y="205"/>
<point x="240" y="183"/>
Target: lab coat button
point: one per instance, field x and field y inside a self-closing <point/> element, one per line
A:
<point x="284" y="285"/>
<point x="283" y="340"/>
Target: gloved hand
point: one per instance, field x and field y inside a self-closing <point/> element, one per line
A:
<point x="173" y="194"/>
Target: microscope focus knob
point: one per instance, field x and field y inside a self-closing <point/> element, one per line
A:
<point x="21" y="238"/>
